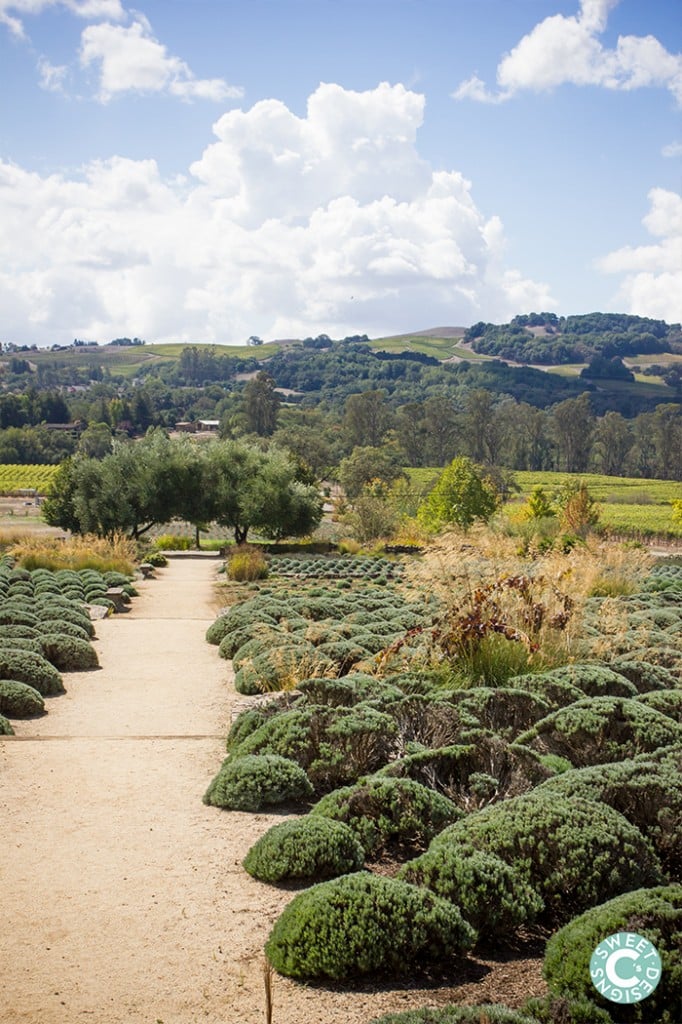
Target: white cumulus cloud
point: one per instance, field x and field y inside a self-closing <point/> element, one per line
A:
<point x="129" y="58"/>
<point x="283" y="226"/>
<point x="13" y="11"/>
<point x="652" y="284"/>
<point x="566" y="49"/>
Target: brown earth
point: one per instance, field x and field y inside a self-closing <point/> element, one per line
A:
<point x="123" y="896"/>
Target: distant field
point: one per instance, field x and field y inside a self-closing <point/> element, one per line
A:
<point x="269" y="348"/>
<point x="627" y="504"/>
<point x="439" y="348"/>
<point x="14" y="478"/>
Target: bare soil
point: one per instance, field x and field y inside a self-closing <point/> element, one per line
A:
<point x="123" y="896"/>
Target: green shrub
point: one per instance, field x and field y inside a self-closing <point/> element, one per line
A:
<point x="33" y="669"/>
<point x="351" y="689"/>
<point x="18" y="700"/>
<point x="655" y="914"/>
<point x="389" y="813"/>
<point x="309" y="848"/>
<point x="644" y="675"/>
<point x="503" y="710"/>
<point x="343" y="654"/>
<point x="560" y="1010"/>
<point x="157" y="560"/>
<point x="281" y="667"/>
<point x="361" y="924"/>
<point x="597" y="730"/>
<point x="557" y="693"/>
<point x="493" y="897"/>
<point x="172" y="542"/>
<point x="69" y="653"/>
<point x="432" y="720"/>
<point x="647" y="792"/>
<point x="250" y="783"/>
<point x="61" y="613"/>
<point x="21" y="643"/>
<point x="13" y="616"/>
<point x="5" y="727"/>
<point x="64" y="628"/>
<point x="10" y="632"/>
<point x="264" y="641"/>
<point x="233" y="641"/>
<point x="572" y="852"/>
<point x="667" y="702"/>
<point x="484" y="769"/>
<point x="594" y="680"/>
<point x="234" y="625"/>
<point x="20" y="589"/>
<point x="491" y="1013"/>
<point x="248" y="721"/>
<point x="334" y="746"/>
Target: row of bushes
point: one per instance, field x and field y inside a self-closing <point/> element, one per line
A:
<point x="275" y="642"/>
<point x="508" y="805"/>
<point x="654" y="913"/>
<point x="336" y="568"/>
<point x="45" y="630"/>
<point x="86" y="586"/>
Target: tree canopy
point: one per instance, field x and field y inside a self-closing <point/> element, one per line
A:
<point x="461" y="496"/>
<point x="156" y="480"/>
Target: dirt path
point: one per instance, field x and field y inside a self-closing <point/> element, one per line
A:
<point x="123" y="896"/>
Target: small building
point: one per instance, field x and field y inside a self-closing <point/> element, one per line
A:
<point x="209" y="426"/>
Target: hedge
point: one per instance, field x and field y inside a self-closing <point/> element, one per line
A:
<point x="362" y="924"/>
<point x="493" y="896"/>
<point x="668" y="702"/>
<point x="334" y="746"/>
<point x="349" y="690"/>
<point x="475" y="773"/>
<point x="647" y="792"/>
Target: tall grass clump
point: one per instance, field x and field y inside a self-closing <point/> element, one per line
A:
<point x="172" y="542"/>
<point x="117" y="554"/>
<point x="246" y="564"/>
<point x="506" y="613"/>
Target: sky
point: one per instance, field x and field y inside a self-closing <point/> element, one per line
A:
<point x="207" y="170"/>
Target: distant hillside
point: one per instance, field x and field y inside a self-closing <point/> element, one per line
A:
<point x="546" y="339"/>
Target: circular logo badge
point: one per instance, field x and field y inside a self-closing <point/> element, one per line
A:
<point x="625" y="968"/>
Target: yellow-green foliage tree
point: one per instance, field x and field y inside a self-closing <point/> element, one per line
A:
<point x="461" y="496"/>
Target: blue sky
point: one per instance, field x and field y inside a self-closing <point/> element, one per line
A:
<point x="203" y="170"/>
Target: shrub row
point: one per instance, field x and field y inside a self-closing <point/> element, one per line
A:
<point x="275" y="642"/>
<point x="532" y="801"/>
<point x="336" y="568"/>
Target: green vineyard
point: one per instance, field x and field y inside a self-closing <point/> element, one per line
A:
<point x="16" y="478"/>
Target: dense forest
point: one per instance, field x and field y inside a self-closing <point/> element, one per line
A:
<point x="323" y="399"/>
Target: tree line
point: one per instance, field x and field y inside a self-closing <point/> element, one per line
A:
<point x="160" y="479"/>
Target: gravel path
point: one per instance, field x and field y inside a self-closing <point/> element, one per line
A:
<point x="123" y="897"/>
